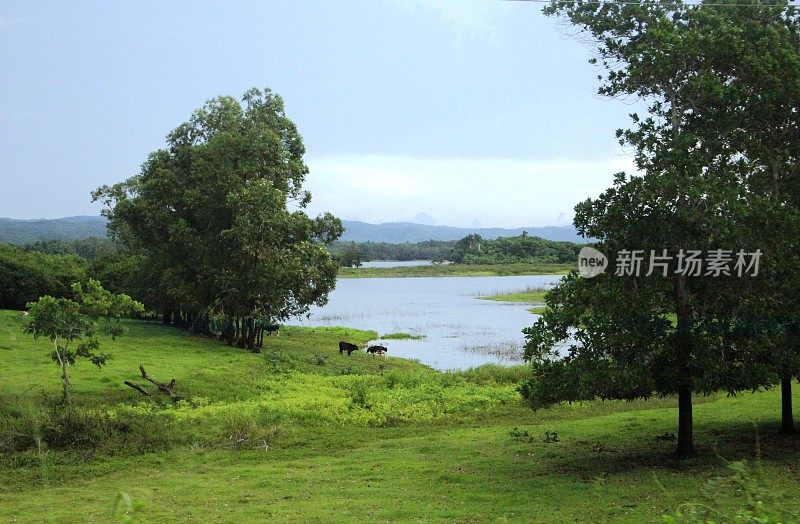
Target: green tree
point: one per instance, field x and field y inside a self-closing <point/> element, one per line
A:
<point x="351" y="255"/>
<point x="25" y="276"/>
<point x="636" y="336"/>
<point x="217" y="219"/>
<point x="752" y="101"/>
<point x="66" y="322"/>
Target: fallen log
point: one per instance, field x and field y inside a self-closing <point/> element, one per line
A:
<point x="166" y="389"/>
<point x="137" y="387"/>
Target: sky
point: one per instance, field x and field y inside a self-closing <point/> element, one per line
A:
<point x="450" y="113"/>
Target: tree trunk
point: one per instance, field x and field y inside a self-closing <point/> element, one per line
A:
<point x="230" y="332"/>
<point x="787" y="418"/>
<point x="66" y="399"/>
<point x="683" y="340"/>
<point x="685" y="446"/>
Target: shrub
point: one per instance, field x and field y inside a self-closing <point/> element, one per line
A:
<point x="758" y="505"/>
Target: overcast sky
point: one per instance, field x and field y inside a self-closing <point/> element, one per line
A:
<point x="453" y="113"/>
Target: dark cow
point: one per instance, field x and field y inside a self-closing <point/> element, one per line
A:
<point x="272" y="328"/>
<point x="377" y="350"/>
<point x="347" y="346"/>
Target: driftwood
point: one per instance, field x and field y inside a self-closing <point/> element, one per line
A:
<point x="166" y="389"/>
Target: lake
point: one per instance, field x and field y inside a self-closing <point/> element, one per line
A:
<point x="460" y="330"/>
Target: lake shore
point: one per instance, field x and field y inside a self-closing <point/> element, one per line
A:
<point x="456" y="270"/>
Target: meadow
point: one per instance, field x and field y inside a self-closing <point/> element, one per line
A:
<point x="299" y="433"/>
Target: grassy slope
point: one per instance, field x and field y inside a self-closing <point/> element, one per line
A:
<point x="457" y="270"/>
<point x="607" y="466"/>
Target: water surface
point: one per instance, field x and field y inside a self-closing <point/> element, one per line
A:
<point x="460" y="330"/>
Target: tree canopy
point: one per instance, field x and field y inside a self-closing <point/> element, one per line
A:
<point x="65" y="321"/>
<point x="699" y="71"/>
<point x="218" y="220"/>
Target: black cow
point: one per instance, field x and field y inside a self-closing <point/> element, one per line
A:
<point x="272" y="328"/>
<point x="377" y="350"/>
<point x="347" y="346"/>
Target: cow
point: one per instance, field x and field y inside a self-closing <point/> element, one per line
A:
<point x="377" y="350"/>
<point x="347" y="346"/>
<point x="272" y="328"/>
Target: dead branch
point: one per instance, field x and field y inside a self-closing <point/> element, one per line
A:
<point x="166" y="389"/>
<point x="137" y="387"/>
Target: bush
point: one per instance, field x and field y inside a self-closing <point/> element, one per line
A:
<point x="758" y="505"/>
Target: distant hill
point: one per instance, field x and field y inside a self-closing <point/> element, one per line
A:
<point x="16" y="231"/>
<point x="70" y="228"/>
<point x="399" y="232"/>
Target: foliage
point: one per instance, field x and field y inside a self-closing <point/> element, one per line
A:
<point x="25" y="276"/>
<point x="64" y="321"/>
<point x="694" y="195"/>
<point x="217" y="219"/>
<point x="349" y="255"/>
<point x="87" y="248"/>
<point x="427" y="250"/>
<point x="758" y="505"/>
<point x="473" y="249"/>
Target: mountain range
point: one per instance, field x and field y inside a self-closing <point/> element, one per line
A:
<point x="17" y="231"/>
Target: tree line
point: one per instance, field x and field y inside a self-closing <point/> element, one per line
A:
<point x="472" y="249"/>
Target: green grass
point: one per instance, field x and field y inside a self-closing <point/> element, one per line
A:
<point x="401" y="336"/>
<point x="531" y="295"/>
<point x="527" y="296"/>
<point x="457" y="270"/>
<point x="299" y="433"/>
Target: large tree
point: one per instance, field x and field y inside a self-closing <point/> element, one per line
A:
<point x="218" y="220"/>
<point x="696" y="194"/>
<point x="753" y="110"/>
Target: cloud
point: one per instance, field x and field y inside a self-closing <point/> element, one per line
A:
<point x="464" y="18"/>
<point x="496" y="192"/>
<point x="371" y="176"/>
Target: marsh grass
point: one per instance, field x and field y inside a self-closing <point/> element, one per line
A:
<point x="457" y="270"/>
<point x="529" y="295"/>
<point x="401" y="336"/>
<point x="505" y="350"/>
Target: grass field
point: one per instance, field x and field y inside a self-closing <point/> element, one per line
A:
<point x="299" y="433"/>
<point x="456" y="270"/>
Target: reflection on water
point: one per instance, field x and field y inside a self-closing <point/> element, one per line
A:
<point x="460" y="330"/>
